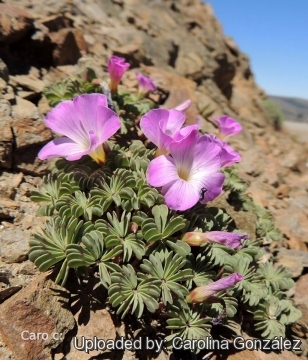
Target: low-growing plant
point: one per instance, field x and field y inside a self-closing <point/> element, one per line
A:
<point x="139" y="217"/>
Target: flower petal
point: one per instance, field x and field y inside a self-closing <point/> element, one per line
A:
<point x="108" y="122"/>
<point x="180" y="195"/>
<point x="173" y="123"/>
<point x="228" y="155"/>
<point x="149" y="125"/>
<point x="86" y="109"/>
<point x="146" y="84"/>
<point x="206" y="155"/>
<point x="62" y="147"/>
<point x="161" y="171"/>
<point x="184" y="132"/>
<point x="117" y="67"/>
<point x="232" y="240"/>
<point x="228" y="126"/>
<point x="183" y="151"/>
<point x="64" y="120"/>
<point x="183" y="106"/>
<point x="213" y="185"/>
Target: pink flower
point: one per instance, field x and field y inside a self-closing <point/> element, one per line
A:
<point x="231" y="240"/>
<point x="183" y="106"/>
<point x="228" y="155"/>
<point x="190" y="174"/>
<point x="162" y="127"/>
<point x="86" y="122"/>
<point x="146" y="84"/>
<point x="228" y="126"/>
<point x="202" y="293"/>
<point x="116" y="68"/>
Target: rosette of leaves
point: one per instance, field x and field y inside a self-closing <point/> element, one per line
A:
<point x="266" y="318"/>
<point x="168" y="273"/>
<point x="240" y="200"/>
<point x="187" y="323"/>
<point x="49" y="247"/>
<point x="251" y="289"/>
<point x="130" y="107"/>
<point x="216" y="253"/>
<point x="129" y="294"/>
<point x="233" y="182"/>
<point x="78" y="205"/>
<point x="136" y="157"/>
<point x="252" y="250"/>
<point x="118" y="232"/>
<point x="289" y="313"/>
<point x="266" y="229"/>
<point x="92" y="251"/>
<point x="158" y="231"/>
<point x="275" y="278"/>
<point x="53" y="188"/>
<point x="118" y="188"/>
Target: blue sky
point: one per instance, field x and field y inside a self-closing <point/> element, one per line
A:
<point x="274" y="34"/>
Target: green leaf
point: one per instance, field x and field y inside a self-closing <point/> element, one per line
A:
<point x="276" y="277"/>
<point x="168" y="273"/>
<point x="126" y="293"/>
<point x="49" y="247"/>
<point x="119" y="233"/>
<point x="187" y="323"/>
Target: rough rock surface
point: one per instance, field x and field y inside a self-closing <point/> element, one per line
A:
<point x="38" y="308"/>
<point x="45" y="41"/>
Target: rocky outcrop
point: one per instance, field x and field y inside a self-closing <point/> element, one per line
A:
<point x="181" y="45"/>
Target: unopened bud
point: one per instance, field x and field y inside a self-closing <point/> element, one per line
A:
<point x="194" y="238"/>
<point x="134" y="227"/>
<point x="231" y="240"/>
<point x="202" y="293"/>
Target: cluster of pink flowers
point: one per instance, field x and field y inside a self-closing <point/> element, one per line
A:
<point x="187" y="165"/>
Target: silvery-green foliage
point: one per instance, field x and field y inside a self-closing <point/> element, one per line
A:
<point x="108" y="219"/>
<point x="187" y="323"/>
<point x="201" y="270"/>
<point x="168" y="271"/>
<point x="127" y="293"/>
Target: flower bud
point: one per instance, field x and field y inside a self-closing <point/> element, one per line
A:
<point x="146" y="84"/>
<point x="134" y="227"/>
<point x="116" y="68"/>
<point x="228" y="126"/>
<point x="201" y="293"/>
<point x="194" y="238"/>
<point x="231" y="240"/>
